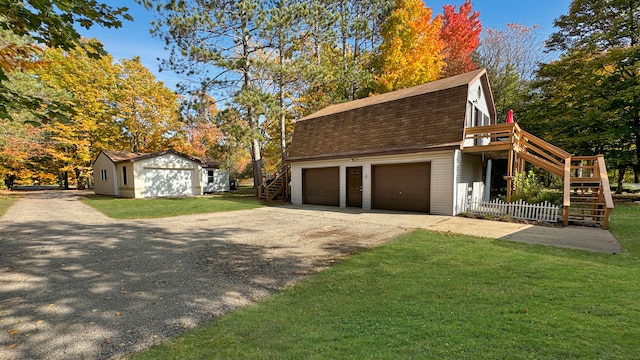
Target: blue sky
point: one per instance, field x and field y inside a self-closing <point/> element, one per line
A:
<point x="134" y="39"/>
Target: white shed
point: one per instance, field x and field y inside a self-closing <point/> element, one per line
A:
<point x="162" y="174"/>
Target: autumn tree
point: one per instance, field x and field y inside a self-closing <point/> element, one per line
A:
<point x="411" y="50"/>
<point x="113" y="106"/>
<point x="89" y="83"/>
<point x="51" y="23"/>
<point x="146" y="111"/>
<point x="461" y="36"/>
<point x="199" y="111"/>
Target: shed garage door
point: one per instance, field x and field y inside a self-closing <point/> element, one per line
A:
<point x="168" y="182"/>
<point x="321" y="186"/>
<point x="404" y="187"/>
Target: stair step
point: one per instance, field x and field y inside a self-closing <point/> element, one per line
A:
<point x="585" y="197"/>
<point x="585" y="216"/>
<point x="583" y="180"/>
<point x="584" y="186"/>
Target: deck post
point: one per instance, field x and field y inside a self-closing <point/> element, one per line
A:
<point x="487" y="182"/>
<point x="509" y="178"/>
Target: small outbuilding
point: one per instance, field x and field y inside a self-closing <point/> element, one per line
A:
<point x="166" y="173"/>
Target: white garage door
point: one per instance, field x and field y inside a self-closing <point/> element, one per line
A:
<point x="167" y="182"/>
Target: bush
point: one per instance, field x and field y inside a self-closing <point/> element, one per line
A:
<point x="528" y="187"/>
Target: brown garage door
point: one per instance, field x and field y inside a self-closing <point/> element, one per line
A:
<point x="403" y="187"/>
<point x="321" y="186"/>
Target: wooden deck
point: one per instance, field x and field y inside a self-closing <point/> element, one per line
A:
<point x="587" y="197"/>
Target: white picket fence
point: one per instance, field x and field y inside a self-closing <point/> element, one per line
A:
<point x="544" y="211"/>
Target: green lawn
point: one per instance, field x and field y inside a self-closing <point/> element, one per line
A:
<point x="119" y="208"/>
<point x="6" y="201"/>
<point x="432" y="295"/>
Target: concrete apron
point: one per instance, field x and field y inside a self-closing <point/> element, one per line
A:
<point x="572" y="237"/>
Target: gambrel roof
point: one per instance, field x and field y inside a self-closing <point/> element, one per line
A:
<point x="426" y="117"/>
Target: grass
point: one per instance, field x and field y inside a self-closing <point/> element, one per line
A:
<point x="433" y="295"/>
<point x="6" y="201"/>
<point x="119" y="208"/>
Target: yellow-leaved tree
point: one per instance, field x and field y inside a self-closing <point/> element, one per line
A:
<point x="148" y="112"/>
<point x="411" y="50"/>
<point x="114" y="107"/>
<point x="88" y="84"/>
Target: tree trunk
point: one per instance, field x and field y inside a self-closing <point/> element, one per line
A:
<point x="80" y="180"/>
<point x="283" y="140"/>
<point x="251" y="120"/>
<point x="621" y="172"/>
<point x="636" y="132"/>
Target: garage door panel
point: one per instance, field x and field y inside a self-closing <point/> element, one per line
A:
<point x="168" y="182"/>
<point x="403" y="187"/>
<point x="321" y="186"/>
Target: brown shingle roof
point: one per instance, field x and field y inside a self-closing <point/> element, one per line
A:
<point x="120" y="156"/>
<point x="421" y="118"/>
<point x="127" y="156"/>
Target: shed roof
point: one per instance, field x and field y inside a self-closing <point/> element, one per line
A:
<point x="127" y="156"/>
<point x="426" y="117"/>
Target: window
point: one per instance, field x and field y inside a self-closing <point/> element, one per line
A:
<point x="209" y="176"/>
<point x="124" y="175"/>
<point x="477" y="119"/>
<point x="103" y="175"/>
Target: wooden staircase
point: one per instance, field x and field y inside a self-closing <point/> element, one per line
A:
<point x="589" y="202"/>
<point x="586" y="195"/>
<point x="276" y="187"/>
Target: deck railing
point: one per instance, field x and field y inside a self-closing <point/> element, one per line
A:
<point x="522" y="147"/>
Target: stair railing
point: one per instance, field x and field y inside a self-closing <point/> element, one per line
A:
<point x="278" y="186"/>
<point x="606" y="191"/>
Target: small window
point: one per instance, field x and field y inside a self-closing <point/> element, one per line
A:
<point x="103" y="175"/>
<point x="124" y="175"/>
<point x="210" y="176"/>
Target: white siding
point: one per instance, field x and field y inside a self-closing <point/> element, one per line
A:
<point x="169" y="162"/>
<point x="220" y="180"/>
<point x="296" y="184"/>
<point x="343" y="186"/>
<point x="468" y="180"/>
<point x="366" y="186"/>
<point x="441" y="196"/>
<point x="477" y="101"/>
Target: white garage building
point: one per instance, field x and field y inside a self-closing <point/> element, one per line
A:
<point x="161" y="174"/>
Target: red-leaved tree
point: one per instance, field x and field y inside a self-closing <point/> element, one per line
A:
<point x="461" y="35"/>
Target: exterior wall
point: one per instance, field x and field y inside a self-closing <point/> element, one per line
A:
<point x="469" y="183"/>
<point x="220" y="180"/>
<point x="110" y="185"/>
<point x="477" y="100"/>
<point x="128" y="190"/>
<point x="166" y="161"/>
<point x="441" y="177"/>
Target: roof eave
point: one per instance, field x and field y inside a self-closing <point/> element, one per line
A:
<point x="377" y="152"/>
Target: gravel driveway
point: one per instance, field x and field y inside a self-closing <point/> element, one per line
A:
<point x="75" y="284"/>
